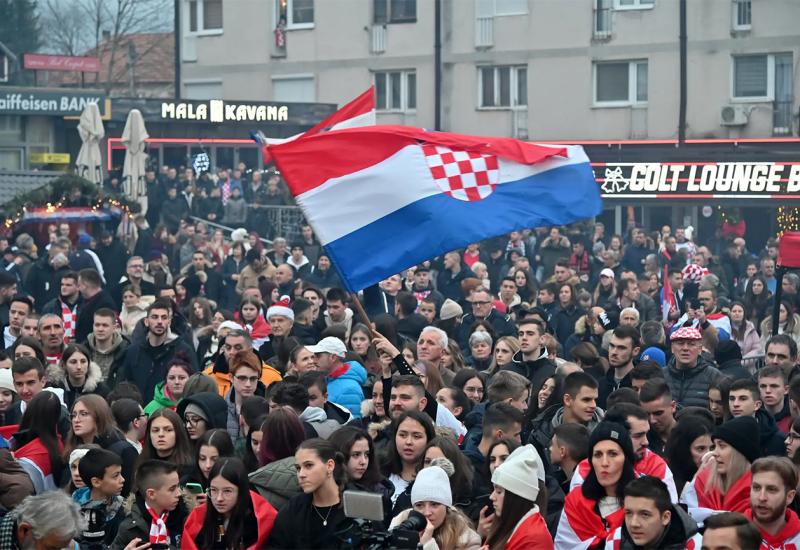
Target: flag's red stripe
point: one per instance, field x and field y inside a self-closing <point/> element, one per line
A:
<point x="310" y="161"/>
<point x="359" y="106"/>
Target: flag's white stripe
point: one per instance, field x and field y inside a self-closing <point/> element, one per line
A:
<point x="364" y="119"/>
<point x="344" y="204"/>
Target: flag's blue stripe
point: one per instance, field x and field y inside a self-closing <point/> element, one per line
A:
<point x="438" y="224"/>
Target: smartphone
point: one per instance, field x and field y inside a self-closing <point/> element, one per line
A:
<point x="363" y="505"/>
<point x="195" y="488"/>
<point x="489" y="508"/>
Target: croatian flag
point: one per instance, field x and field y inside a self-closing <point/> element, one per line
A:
<point x="382" y="198"/>
<point x="359" y="112"/>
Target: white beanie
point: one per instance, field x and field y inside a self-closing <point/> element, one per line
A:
<point x="432" y="485"/>
<point x="6" y="380"/>
<point x="281" y="307"/>
<point x="520" y="473"/>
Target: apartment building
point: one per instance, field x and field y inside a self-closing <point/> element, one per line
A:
<point x="538" y="69"/>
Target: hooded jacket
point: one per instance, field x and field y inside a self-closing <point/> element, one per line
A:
<point x="344" y="386"/>
<point x="276" y="482"/>
<point x="263" y="511"/>
<point x="689" y="387"/>
<point x="146" y="365"/>
<point x="680" y="534"/>
<point x="316" y="419"/>
<point x="160" y="400"/>
<point x="536" y="371"/>
<point x="214" y="408"/>
<point x="93" y="384"/>
<point x="111" y="360"/>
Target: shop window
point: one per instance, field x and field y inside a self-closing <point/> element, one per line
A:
<point x="396" y="90"/>
<point x="10" y="128"/>
<point x="10" y="159"/>
<point x="503" y="87"/>
<point x="620" y="83"/>
<point x="205" y="16"/>
<point x="296" y="88"/>
<point x="295" y="14"/>
<point x="394" y="11"/>
<point x="633" y="4"/>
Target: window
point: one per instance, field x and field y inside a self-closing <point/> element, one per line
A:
<point x="503" y="87"/>
<point x="633" y="4"/>
<point x="755" y="76"/>
<point x="396" y="91"/>
<point x="205" y="16"/>
<point x="742" y="15"/>
<point x="394" y="11"/>
<point x="298" y="88"/>
<point x="510" y="7"/>
<point x="620" y="83"/>
<point x="295" y="14"/>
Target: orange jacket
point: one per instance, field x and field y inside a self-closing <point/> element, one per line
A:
<point x="223" y="379"/>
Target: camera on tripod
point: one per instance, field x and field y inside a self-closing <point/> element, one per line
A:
<point x="366" y="510"/>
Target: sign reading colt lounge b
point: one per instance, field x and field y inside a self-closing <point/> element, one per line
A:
<point x="735" y="180"/>
<point x="218" y="110"/>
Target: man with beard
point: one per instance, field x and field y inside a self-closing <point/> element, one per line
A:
<point x="622" y="349"/>
<point x="772" y="490"/>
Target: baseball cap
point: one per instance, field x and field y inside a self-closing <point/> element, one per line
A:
<point x="329" y="344"/>
<point x="607" y="272"/>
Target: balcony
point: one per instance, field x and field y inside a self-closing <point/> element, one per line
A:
<point x="279" y="42"/>
<point x="602" y="24"/>
<point x="378" y="38"/>
<point x="484" y="32"/>
<point x="782" y="118"/>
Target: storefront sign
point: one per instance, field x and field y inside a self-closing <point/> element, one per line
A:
<point x="218" y="110"/>
<point x="41" y="62"/>
<point x="49" y="158"/>
<point x="699" y="179"/>
<point x="34" y="101"/>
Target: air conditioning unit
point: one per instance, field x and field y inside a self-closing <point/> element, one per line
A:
<point x="734" y="115"/>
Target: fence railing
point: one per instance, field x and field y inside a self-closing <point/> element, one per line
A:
<point x="753" y="364"/>
<point x="268" y="221"/>
<point x="782" y="118"/>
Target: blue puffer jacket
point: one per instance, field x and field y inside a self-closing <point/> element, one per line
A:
<point x="344" y="386"/>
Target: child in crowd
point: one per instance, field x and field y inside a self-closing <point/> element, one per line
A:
<point x="100" y="500"/>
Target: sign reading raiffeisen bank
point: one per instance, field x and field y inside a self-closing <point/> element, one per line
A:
<point x="690" y="180"/>
<point x="34" y="101"/>
<point x="218" y="110"/>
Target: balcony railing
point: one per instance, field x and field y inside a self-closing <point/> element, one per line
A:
<point x="782" y="118"/>
<point x="484" y="32"/>
<point x="602" y="23"/>
<point x="378" y="38"/>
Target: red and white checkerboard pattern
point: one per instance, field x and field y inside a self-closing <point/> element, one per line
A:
<point x="462" y="175"/>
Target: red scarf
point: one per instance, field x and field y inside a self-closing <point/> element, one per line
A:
<point x="585" y="521"/>
<point x="735" y="499"/>
<point x="158" y="527"/>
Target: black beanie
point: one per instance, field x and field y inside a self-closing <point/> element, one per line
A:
<point x="742" y="434"/>
<point x="615" y="432"/>
<point x="727" y="350"/>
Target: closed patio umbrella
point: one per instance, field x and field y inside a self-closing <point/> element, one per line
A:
<point x="134" y="136"/>
<point x="90" y="163"/>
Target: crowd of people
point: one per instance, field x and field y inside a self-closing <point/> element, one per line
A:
<point x="551" y="388"/>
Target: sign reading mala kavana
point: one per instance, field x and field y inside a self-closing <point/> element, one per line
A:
<point x="655" y="180"/>
<point x="218" y="110"/>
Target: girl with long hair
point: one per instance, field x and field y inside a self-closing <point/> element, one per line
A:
<point x="38" y="431"/>
<point x="211" y="447"/>
<point x="463" y="474"/>
<point x="551" y="393"/>
<point x="758" y="299"/>
<point x="28" y="346"/>
<point x="718" y="399"/>
<point x="504" y="350"/>
<point x="234" y="517"/>
<point x="447" y="527"/>
<point x="516" y="522"/>
<point x="606" y="289"/>
<point x="452" y="358"/>
<point x="315" y="518"/>
<point x="253" y="321"/>
<point x="686" y="445"/>
<point x="360" y="343"/>
<point x="743" y="331"/>
<point x="722" y="483"/>
<point x="165" y="439"/>
<point x="526" y="288"/>
<point x="428" y="372"/>
<point x="405" y="453"/>
<point x="78" y="375"/>
<point x="93" y="422"/>
<point x="788" y="323"/>
<point x="472" y="383"/>
<point x="594" y="511"/>
<point x="170" y="390"/>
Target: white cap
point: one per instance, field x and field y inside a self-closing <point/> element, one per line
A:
<point x="520" y="473"/>
<point x="329" y="344"/>
<point x="432" y="485"/>
<point x="607" y="272"/>
<point x="232" y="325"/>
<point x="6" y="380"/>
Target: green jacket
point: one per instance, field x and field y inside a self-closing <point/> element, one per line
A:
<point x="276" y="482"/>
<point x="160" y="401"/>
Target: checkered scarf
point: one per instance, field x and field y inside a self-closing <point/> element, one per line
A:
<point x="158" y="527"/>
<point x="69" y="317"/>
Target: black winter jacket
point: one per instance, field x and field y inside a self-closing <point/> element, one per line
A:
<point x="689" y="387"/>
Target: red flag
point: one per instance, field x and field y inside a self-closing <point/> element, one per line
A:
<point x="668" y="301"/>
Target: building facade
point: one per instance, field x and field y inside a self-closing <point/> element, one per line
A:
<point x="534" y="69"/>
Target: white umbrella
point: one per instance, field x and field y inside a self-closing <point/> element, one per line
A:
<point x="90" y="127"/>
<point x="133" y="137"/>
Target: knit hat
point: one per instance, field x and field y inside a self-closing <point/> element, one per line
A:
<point x="614" y="432"/>
<point x="686" y="333"/>
<point x="231" y="325"/>
<point x="520" y="473"/>
<point x="726" y="351"/>
<point x="607" y="272"/>
<point x="239" y="234"/>
<point x="432" y="485"/>
<point x="742" y="434"/>
<point x="193" y="408"/>
<point x="609" y="320"/>
<point x="6" y="380"/>
<point x="281" y="307"/>
<point x="450" y="310"/>
<point x="77" y="454"/>
<point x="654" y="354"/>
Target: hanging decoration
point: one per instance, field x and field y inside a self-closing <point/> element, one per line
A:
<point x="788" y="219"/>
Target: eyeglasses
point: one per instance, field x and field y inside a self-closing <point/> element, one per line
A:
<point x="225" y="493"/>
<point x="794" y="436"/>
<point x="243" y="379"/>
<point x="80" y="414"/>
<point x="193" y="420"/>
<point x="480" y="303"/>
